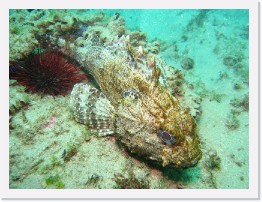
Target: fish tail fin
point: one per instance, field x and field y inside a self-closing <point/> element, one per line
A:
<point x="91" y="107"/>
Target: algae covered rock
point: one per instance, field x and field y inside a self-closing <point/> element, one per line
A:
<point x="17" y="98"/>
<point x="187" y="63"/>
<point x="27" y="26"/>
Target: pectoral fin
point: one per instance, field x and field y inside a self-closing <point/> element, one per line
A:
<point x="91" y="107"/>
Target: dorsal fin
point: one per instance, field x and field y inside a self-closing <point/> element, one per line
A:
<point x="91" y="107"/>
<point x="156" y="72"/>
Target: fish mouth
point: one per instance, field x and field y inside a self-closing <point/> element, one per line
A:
<point x="196" y="159"/>
<point x="192" y="162"/>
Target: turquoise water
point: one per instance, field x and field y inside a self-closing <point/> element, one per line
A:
<point x="49" y="149"/>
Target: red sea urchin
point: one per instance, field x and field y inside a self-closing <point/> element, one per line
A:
<point x="47" y="72"/>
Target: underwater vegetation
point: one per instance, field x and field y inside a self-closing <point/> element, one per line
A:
<point x="130" y="182"/>
<point x="233" y="62"/>
<point x="218" y="97"/>
<point x="94" y="179"/>
<point x="212" y="95"/>
<point x="130" y="179"/>
<point x="237" y="86"/>
<point x="212" y="160"/>
<point x="47" y="72"/>
<point x="236" y="62"/>
<point x="69" y="153"/>
<point x="241" y="104"/>
<point x="54" y="181"/>
<point x="198" y="20"/>
<point x="17" y="102"/>
<point x="232" y="123"/>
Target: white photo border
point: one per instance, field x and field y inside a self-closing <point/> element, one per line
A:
<point x="254" y="175"/>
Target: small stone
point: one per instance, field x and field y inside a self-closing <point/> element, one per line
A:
<point x="233" y="62"/>
<point x="187" y="63"/>
<point x="87" y="138"/>
<point x="237" y="86"/>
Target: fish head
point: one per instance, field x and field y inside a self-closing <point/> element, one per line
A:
<point x="178" y="133"/>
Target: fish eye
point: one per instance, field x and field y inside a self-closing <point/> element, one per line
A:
<point x="166" y="137"/>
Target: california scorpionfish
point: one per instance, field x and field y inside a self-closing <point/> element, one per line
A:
<point x="133" y="105"/>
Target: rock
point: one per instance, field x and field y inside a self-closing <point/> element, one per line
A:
<point x="187" y="63"/>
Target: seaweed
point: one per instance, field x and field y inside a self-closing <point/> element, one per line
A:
<point x="216" y="96"/>
<point x="241" y="103"/>
<point x="237" y="86"/>
<point x="70" y="152"/>
<point x="237" y="63"/>
<point x="232" y="123"/>
<point x="212" y="160"/>
<point x="236" y="161"/>
<point x="18" y="105"/>
<point x="197" y="21"/>
<point x="93" y="180"/>
<point x="15" y="30"/>
<point x="222" y="76"/>
<point x="235" y="112"/>
<point x="244" y="74"/>
<point x="55" y="181"/>
<point x="55" y="162"/>
<point x="232" y="61"/>
<point x="130" y="183"/>
<point x="200" y="89"/>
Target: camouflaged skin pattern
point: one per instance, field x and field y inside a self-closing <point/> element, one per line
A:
<point x="142" y="107"/>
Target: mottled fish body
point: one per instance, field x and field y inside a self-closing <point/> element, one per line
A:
<point x="137" y="108"/>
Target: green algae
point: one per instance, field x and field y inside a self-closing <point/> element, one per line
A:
<point x="55" y="181"/>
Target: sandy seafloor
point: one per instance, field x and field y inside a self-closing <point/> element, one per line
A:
<point x="45" y="128"/>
